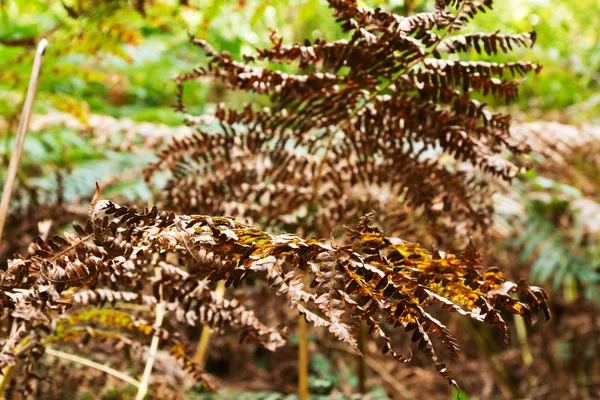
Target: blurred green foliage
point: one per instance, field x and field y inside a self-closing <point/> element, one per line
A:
<point x="568" y="47"/>
<point x="555" y="238"/>
<point x="109" y="57"/>
<point x="376" y="394"/>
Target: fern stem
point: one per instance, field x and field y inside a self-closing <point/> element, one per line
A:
<point x="362" y="360"/>
<point x="6" y="377"/>
<point x="21" y="132"/>
<point x="355" y="112"/>
<point x="317" y="179"/>
<point x="302" y="359"/>
<point x="521" y="331"/>
<point x="134" y="307"/>
<point x="66" y="250"/>
<point x="160" y="314"/>
<point x="201" y="349"/>
<point x="522" y="337"/>
<point x="92" y="364"/>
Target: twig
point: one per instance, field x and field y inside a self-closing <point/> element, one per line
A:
<point x="21" y="132"/>
<point x="92" y="364"/>
<point x="398" y="386"/>
<point x="389" y="379"/>
<point x="160" y="314"/>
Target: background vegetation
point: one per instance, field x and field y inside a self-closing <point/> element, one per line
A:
<point x="104" y="102"/>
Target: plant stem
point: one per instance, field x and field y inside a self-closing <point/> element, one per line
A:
<point x="200" y="356"/>
<point x="160" y="314"/>
<point x="362" y="367"/>
<point x="21" y="132"/>
<point x="92" y="364"/>
<point x="302" y="359"/>
<point x="302" y="328"/>
<point x="521" y="331"/>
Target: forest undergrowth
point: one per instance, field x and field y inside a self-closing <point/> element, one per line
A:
<point x="351" y="195"/>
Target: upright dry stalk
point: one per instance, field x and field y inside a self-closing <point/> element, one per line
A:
<point x="302" y="359"/>
<point x="362" y="360"/>
<point x="22" y="130"/>
<point x="200" y="356"/>
<point x="160" y="314"/>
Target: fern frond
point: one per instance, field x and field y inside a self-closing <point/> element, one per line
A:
<point x="357" y="113"/>
<point x="373" y="278"/>
<point x="490" y="43"/>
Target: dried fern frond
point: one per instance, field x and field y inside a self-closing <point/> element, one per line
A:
<point x="384" y="281"/>
<point x="35" y="212"/>
<point x="386" y="112"/>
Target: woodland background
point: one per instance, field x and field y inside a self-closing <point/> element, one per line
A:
<point x="104" y="105"/>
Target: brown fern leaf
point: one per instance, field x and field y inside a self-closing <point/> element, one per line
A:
<point x="384" y="281"/>
<point x="361" y="118"/>
<point x="490" y="43"/>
